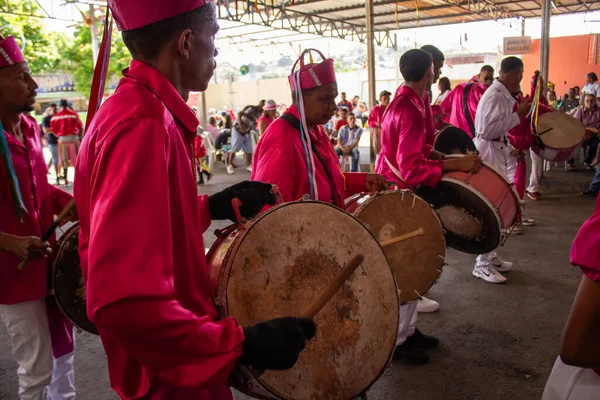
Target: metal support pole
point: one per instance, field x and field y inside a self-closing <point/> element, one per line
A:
<point x="94" y="33"/>
<point x="397" y="61"/>
<point x="545" y="40"/>
<point x="371" y="68"/>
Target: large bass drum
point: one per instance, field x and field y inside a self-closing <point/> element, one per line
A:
<point x="276" y="265"/>
<point x="67" y="281"/>
<point x="559" y="136"/>
<point x="417" y="263"/>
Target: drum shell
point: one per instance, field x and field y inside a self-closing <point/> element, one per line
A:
<point x="563" y="127"/>
<point x="221" y="259"/>
<point x="554" y="155"/>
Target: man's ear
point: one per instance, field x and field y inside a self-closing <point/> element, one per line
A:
<point x="184" y="43"/>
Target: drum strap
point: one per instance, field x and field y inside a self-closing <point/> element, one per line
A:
<point x="295" y="123"/>
<point x="465" y="101"/>
<point x="395" y="171"/>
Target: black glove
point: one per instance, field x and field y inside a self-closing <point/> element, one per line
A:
<point x="276" y="344"/>
<point x="253" y="194"/>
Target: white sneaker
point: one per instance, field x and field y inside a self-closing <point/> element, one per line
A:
<point x="427" y="305"/>
<point x="528" y="222"/>
<point x="249" y="168"/>
<point x="501" y="265"/>
<point x="230" y="169"/>
<point x="488" y="273"/>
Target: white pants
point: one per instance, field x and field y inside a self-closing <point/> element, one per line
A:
<point x="485" y="259"/>
<point x="571" y="383"/>
<point x="536" y="172"/>
<point x="408" y="320"/>
<point x="40" y="375"/>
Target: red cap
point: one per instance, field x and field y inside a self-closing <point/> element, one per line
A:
<point x="134" y="14"/>
<point x="10" y="53"/>
<point x="313" y="75"/>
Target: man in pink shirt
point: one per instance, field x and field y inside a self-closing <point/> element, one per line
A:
<point x="27" y="207"/>
<point x="408" y="159"/>
<point x="375" y="119"/>
<point x="468" y="93"/>
<point x="141" y="246"/>
<point x="296" y="154"/>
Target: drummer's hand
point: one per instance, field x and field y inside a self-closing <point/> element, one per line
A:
<point x="524" y="107"/>
<point x="73" y="216"/>
<point x="515" y="153"/>
<point x="30" y="248"/>
<point x="469" y="163"/>
<point x="375" y="183"/>
<point x="254" y="196"/>
<point x="276" y="344"/>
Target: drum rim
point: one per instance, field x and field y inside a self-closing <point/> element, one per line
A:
<point x="236" y="240"/>
<point x="61" y="307"/>
<point x="373" y="195"/>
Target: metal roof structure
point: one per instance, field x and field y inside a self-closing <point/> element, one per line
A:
<point x="283" y="22"/>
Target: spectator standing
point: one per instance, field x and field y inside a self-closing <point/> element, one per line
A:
<point x="241" y="137"/>
<point x="376" y="118"/>
<point x="571" y="102"/>
<point x="348" y="138"/>
<point x="269" y="115"/>
<point x="591" y="86"/>
<point x="52" y="140"/>
<point x="445" y="88"/>
<point x="213" y="129"/>
<point x="67" y="125"/>
<point x="345" y="103"/>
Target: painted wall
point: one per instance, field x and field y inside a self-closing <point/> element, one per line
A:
<point x="568" y="62"/>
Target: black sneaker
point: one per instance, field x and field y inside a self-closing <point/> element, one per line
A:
<point x="589" y="193"/>
<point x="410" y="355"/>
<point x="422" y="341"/>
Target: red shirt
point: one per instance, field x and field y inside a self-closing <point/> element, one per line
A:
<point x="141" y="247"/>
<point x="404" y="143"/>
<point x="66" y="122"/>
<point x="267" y="120"/>
<point x="453" y="104"/>
<point x="42" y="202"/>
<point x="280" y="159"/>
<point x="340" y="123"/>
<point x="346" y="104"/>
<point x="376" y="116"/>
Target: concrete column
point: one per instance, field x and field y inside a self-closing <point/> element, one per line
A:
<point x="545" y="39"/>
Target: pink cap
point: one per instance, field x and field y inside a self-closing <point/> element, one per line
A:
<point x="134" y="14"/>
<point x="313" y="75"/>
<point x="10" y="53"/>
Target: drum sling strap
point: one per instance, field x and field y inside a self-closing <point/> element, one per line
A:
<point x="465" y="102"/>
<point x="295" y="123"/>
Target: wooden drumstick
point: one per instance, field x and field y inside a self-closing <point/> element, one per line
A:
<point x="46" y="236"/>
<point x="401" y="238"/>
<point x="333" y="287"/>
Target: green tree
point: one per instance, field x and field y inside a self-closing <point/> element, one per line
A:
<point x="79" y="58"/>
<point x="39" y="48"/>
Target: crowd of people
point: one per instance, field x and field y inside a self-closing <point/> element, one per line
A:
<point x="141" y="220"/>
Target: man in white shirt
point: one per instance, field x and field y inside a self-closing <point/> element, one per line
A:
<point x="497" y="113"/>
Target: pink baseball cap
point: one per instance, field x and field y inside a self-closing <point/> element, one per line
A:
<point x="10" y="53"/>
<point x="134" y="14"/>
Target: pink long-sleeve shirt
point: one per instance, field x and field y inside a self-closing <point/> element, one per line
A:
<point x="141" y="247"/>
<point x="453" y="104"/>
<point x="405" y="143"/>
<point x="280" y="159"/>
<point x="42" y="201"/>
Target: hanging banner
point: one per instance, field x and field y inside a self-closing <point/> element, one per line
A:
<point x="517" y="45"/>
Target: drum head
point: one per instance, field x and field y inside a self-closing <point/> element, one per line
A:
<point x="470" y="222"/>
<point x="283" y="263"/>
<point x="560" y="131"/>
<point x="68" y="281"/>
<point x="453" y="140"/>
<point x="416" y="262"/>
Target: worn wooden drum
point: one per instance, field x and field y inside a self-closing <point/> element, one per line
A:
<point x="560" y="135"/>
<point x="476" y="210"/>
<point x="417" y="262"/>
<point x="276" y="265"/>
<point x="67" y="281"/>
<point x="453" y="140"/>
